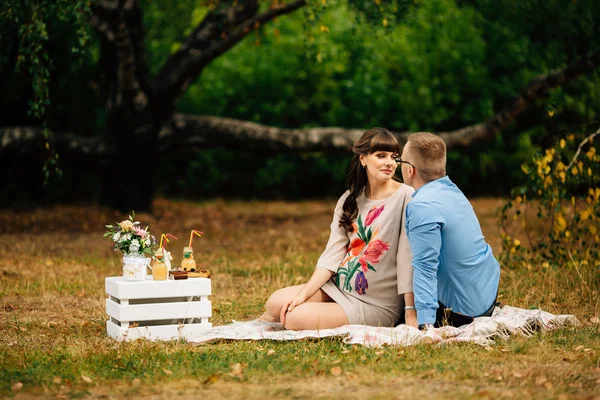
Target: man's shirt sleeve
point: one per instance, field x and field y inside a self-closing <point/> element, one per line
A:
<point x="424" y="225"/>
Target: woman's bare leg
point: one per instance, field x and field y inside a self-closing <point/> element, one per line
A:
<point x="315" y="316"/>
<point x="278" y="299"/>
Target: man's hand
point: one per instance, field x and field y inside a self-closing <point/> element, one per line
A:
<point x="289" y="306"/>
<point x="410" y="317"/>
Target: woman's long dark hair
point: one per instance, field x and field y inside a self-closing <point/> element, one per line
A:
<point x="375" y="139"/>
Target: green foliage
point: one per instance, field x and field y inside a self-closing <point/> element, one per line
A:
<point x="29" y="23"/>
<point x="563" y="191"/>
<point x="436" y="65"/>
<point x="234" y="173"/>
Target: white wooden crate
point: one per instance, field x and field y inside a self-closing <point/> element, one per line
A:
<point x="157" y="310"/>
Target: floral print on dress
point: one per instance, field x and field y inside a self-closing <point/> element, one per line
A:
<point x="363" y="253"/>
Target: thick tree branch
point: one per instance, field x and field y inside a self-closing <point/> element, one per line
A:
<point x="102" y="13"/>
<point x="185" y="131"/>
<point x="131" y="57"/>
<point x="217" y="33"/>
<point x="28" y="142"/>
<point x="120" y="27"/>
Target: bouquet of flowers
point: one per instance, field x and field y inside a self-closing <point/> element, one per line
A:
<point x="130" y="237"/>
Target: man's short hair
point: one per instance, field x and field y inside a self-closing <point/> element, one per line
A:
<point x="428" y="154"/>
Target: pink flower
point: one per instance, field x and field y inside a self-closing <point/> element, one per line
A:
<point x="374" y="251"/>
<point x="139" y="231"/>
<point x="373" y="214"/>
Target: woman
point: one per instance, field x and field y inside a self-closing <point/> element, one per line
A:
<point x="364" y="276"/>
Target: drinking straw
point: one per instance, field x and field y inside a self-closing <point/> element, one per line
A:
<point x="192" y="235"/>
<point x="166" y="237"/>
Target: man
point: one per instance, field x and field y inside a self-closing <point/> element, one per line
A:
<point x="455" y="273"/>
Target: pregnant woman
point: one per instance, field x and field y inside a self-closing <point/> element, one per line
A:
<point x="364" y="276"/>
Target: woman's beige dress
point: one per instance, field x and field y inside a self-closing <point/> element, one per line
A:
<point x="372" y="264"/>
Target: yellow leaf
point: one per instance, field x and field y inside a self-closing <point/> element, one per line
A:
<point x="86" y="379"/>
<point x="593" y="230"/>
<point x="589" y="172"/>
<point x="524" y="169"/>
<point x="517" y="242"/>
<point x="574" y="171"/>
<point x="562" y="176"/>
<point x="385" y="23"/>
<point x="519" y="199"/>
<point x="561" y="223"/>
<point x="563" y="143"/>
<point x="571" y="137"/>
<point x="585" y="214"/>
<point x="551" y="113"/>
<point x="336" y="371"/>
<point x="212" y="379"/>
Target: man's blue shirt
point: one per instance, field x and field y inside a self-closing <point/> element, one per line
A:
<point x="452" y="262"/>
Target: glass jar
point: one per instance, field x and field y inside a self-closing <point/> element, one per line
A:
<point x="188" y="261"/>
<point x="134" y="266"/>
<point x="159" y="270"/>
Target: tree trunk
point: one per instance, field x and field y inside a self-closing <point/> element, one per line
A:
<point x="129" y="181"/>
<point x="137" y="107"/>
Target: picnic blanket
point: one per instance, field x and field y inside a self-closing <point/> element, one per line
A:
<point x="505" y="322"/>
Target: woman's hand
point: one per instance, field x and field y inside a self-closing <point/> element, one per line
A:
<point x="289" y="306"/>
<point x="410" y="317"/>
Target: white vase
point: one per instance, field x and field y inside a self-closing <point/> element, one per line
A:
<point x="134" y="266"/>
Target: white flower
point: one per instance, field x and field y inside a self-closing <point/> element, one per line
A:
<point x="117" y="237"/>
<point x="147" y="242"/>
<point x="134" y="247"/>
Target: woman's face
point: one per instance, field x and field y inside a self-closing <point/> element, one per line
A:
<point x="380" y="165"/>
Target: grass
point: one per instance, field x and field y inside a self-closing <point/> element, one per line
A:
<point x="52" y="322"/>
